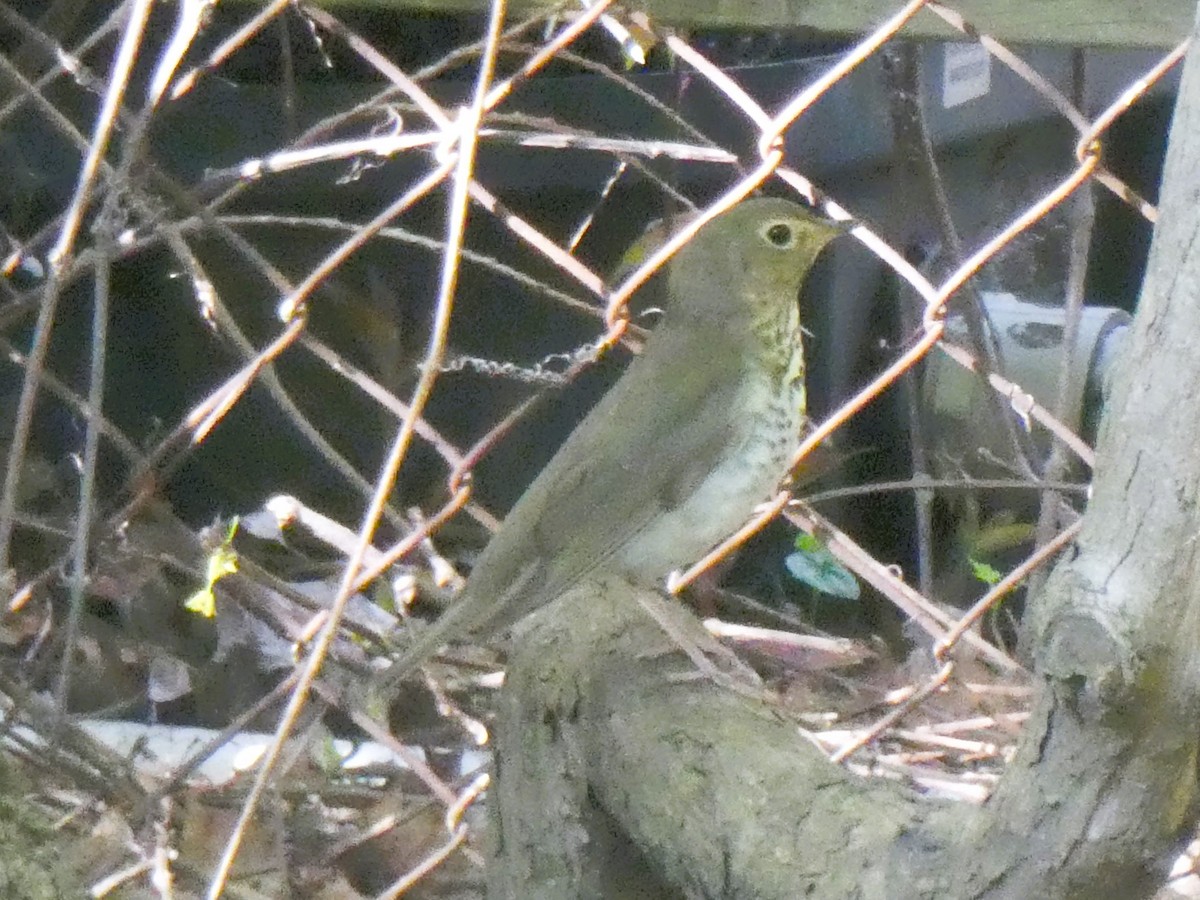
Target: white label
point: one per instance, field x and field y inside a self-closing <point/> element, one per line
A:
<point x="966" y="73"/>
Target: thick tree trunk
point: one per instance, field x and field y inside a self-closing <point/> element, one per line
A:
<point x="619" y="774"/>
<point x="617" y="760"/>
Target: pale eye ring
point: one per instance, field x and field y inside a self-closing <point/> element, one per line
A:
<point x="781" y="235"/>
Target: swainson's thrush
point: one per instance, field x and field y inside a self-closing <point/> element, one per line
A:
<point x="696" y="432"/>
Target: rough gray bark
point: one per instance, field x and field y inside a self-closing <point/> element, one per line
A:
<point x="1106" y="779"/>
<point x="602" y="749"/>
<point x="609" y="741"/>
<point x="40" y="861"/>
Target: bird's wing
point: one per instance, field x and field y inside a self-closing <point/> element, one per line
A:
<point x="582" y="508"/>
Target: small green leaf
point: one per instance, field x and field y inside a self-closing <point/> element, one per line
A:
<point x="985" y="573"/>
<point x="808" y="543"/>
<point x="221" y="562"/>
<point x="384" y="596"/>
<point x="203" y="602"/>
<point x="326" y="756"/>
<point x="815" y="566"/>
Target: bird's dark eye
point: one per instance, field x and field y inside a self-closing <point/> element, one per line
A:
<point x="780" y="234"/>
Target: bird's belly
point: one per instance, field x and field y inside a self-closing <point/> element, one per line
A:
<point x="720" y="504"/>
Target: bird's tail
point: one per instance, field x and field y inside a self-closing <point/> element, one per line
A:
<point x="452" y="624"/>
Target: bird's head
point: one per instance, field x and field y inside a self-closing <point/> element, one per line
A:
<point x="757" y="253"/>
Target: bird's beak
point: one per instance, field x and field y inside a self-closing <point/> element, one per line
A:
<point x="836" y="229"/>
<point x="841" y="227"/>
